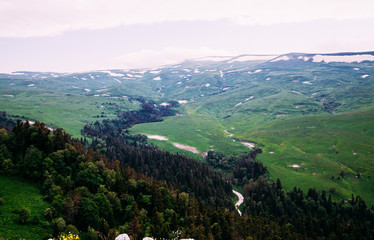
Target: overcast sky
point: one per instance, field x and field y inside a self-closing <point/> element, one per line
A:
<point x="82" y="35"/>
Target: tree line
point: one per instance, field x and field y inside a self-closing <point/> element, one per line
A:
<point x="99" y="196"/>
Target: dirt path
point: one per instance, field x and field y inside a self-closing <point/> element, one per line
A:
<point x="239" y="202"/>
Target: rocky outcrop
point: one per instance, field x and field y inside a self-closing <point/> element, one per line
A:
<point x="123" y="236"/>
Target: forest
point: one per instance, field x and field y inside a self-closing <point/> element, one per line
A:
<point x="112" y="186"/>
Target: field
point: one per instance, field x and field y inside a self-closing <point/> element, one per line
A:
<point x="319" y="146"/>
<point x="68" y="111"/>
<point x="17" y="194"/>
<point x="192" y="129"/>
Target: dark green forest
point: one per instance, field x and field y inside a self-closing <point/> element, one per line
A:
<point x="117" y="186"/>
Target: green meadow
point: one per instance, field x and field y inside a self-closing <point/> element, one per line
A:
<point x="68" y="111"/>
<point x="318" y="146"/>
<point x="192" y="129"/>
<point x="17" y="194"/>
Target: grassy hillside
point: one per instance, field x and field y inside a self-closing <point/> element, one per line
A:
<point x="18" y="194"/>
<point x="193" y="129"/>
<point x="68" y="111"/>
<point x="322" y="145"/>
<point x="314" y="114"/>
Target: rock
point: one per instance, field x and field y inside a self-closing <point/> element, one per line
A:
<point x="123" y="236"/>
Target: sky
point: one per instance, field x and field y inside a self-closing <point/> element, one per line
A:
<point x="84" y="35"/>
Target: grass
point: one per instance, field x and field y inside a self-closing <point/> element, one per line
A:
<point x="323" y="145"/>
<point x="17" y="194"/>
<point x="193" y="129"/>
<point x="68" y="111"/>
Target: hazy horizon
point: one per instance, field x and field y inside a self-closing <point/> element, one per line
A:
<point x="78" y="36"/>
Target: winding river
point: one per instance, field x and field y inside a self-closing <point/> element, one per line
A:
<point x="239" y="202"/>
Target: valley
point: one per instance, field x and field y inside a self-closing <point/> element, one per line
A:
<point x="313" y="111"/>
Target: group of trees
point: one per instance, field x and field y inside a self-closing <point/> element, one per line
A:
<point x="6" y="122"/>
<point x="314" y="214"/>
<point x="90" y="193"/>
<point x="186" y="174"/>
<point x="149" y="112"/>
<point x="102" y="194"/>
<point x="244" y="168"/>
<point x="183" y="173"/>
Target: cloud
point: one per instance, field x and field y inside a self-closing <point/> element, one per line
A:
<point x="25" y="18"/>
<point x="154" y="58"/>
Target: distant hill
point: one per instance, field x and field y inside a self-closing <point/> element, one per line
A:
<point x="313" y="110"/>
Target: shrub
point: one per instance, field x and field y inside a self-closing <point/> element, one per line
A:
<point x="23" y="215"/>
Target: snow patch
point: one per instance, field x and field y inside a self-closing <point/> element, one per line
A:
<point x="157" y="137"/>
<point x="214" y="59"/>
<point x="304" y="58"/>
<point x="8" y="95"/>
<point x="238" y="104"/>
<point x="364" y="76"/>
<point x="251" y="58"/>
<point x="117" y="80"/>
<point x="248" y="144"/>
<point x="182" y="101"/>
<point x="155" y="71"/>
<point x="267" y="79"/>
<point x="307" y="82"/>
<point x="84" y="79"/>
<point x="165" y="104"/>
<point x="197" y="71"/>
<point x="356" y="69"/>
<point x="295" y="165"/>
<point x="157" y="78"/>
<point x="207" y="85"/>
<point x="179" y="82"/>
<point x="344" y="58"/>
<point x="114" y="74"/>
<point x="31" y="85"/>
<point x="101" y="90"/>
<point x="186" y="147"/>
<point x="282" y="58"/>
<point x="247" y="99"/>
<point x="87" y="90"/>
